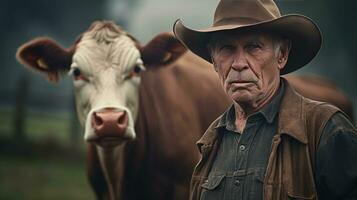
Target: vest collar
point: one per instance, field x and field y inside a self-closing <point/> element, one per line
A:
<point x="291" y="115"/>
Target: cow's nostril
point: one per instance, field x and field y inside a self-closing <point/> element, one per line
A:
<point x="97" y="120"/>
<point x="122" y="119"/>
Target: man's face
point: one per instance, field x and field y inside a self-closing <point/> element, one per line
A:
<point x="248" y="65"/>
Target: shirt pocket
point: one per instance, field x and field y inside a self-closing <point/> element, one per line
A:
<point x="256" y="184"/>
<point x="213" y="188"/>
<point x="300" y="197"/>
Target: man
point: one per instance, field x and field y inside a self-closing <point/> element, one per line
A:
<point x="271" y="143"/>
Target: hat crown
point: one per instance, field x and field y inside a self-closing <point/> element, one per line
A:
<point x="245" y="11"/>
<point x="261" y="16"/>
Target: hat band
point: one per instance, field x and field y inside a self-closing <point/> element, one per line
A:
<point x="236" y="21"/>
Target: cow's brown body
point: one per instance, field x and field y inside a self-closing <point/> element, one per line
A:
<point x="176" y="104"/>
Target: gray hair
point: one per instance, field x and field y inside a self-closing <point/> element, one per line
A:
<point x="278" y="43"/>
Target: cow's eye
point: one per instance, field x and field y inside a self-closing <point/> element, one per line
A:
<point x="136" y="71"/>
<point x="77" y="74"/>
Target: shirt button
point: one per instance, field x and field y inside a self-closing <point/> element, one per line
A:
<point x="237" y="182"/>
<point x="241" y="148"/>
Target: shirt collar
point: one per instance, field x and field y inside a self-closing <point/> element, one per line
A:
<point x="272" y="108"/>
<point x="227" y="119"/>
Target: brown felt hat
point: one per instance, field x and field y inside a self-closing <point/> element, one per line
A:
<point x="261" y="16"/>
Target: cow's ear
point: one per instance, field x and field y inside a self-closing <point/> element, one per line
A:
<point x="162" y="50"/>
<point x="46" y="56"/>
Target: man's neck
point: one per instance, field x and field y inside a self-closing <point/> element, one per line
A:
<point x="243" y="111"/>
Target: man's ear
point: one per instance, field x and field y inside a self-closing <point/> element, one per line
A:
<point x="162" y="50"/>
<point x="45" y="56"/>
<point x="283" y="53"/>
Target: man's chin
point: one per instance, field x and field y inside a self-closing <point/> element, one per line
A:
<point x="242" y="100"/>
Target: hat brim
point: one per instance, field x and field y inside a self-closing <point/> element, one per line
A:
<point x="304" y="34"/>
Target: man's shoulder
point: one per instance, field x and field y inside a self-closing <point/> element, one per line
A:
<point x="324" y="113"/>
<point x="318" y="108"/>
<point x="318" y="115"/>
<point x="303" y="106"/>
<point x="302" y="117"/>
<point x="340" y="125"/>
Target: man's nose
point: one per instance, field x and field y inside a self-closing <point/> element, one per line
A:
<point x="239" y="63"/>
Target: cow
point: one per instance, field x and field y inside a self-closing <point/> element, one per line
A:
<point x="141" y="111"/>
<point x="142" y="107"/>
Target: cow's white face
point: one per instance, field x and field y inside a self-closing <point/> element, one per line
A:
<point x="105" y="68"/>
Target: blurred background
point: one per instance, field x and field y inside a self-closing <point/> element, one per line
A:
<point x="42" y="152"/>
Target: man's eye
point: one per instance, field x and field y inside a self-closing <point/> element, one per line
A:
<point x="252" y="46"/>
<point x="226" y="48"/>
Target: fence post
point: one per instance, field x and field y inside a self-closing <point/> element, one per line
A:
<point x="74" y="125"/>
<point x="21" y="101"/>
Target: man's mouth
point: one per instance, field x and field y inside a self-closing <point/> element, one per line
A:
<point x="239" y="82"/>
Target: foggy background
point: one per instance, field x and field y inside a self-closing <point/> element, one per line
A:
<point x="41" y="143"/>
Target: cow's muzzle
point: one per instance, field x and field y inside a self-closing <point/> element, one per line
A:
<point x="110" y="126"/>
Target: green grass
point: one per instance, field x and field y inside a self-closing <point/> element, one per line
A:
<point x="43" y="179"/>
<point x="32" y="177"/>
<point x="53" y="125"/>
<point x="40" y="126"/>
<point x="37" y="124"/>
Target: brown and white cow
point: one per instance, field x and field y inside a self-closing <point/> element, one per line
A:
<point x="141" y="112"/>
<point x="141" y="106"/>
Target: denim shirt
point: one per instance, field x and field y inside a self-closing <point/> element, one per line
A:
<point x="239" y="168"/>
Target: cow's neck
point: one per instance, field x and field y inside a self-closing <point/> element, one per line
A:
<point x="112" y="163"/>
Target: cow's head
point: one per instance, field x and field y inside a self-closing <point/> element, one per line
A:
<point x="105" y="63"/>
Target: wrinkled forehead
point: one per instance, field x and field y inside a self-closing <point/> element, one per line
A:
<point x="106" y="46"/>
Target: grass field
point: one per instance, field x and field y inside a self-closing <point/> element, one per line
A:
<point x="41" y="174"/>
<point x="39" y="125"/>
<point x="35" y="178"/>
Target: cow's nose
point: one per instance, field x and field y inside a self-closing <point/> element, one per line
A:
<point x="109" y="123"/>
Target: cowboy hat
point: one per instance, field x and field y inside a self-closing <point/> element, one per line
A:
<point x="261" y="16"/>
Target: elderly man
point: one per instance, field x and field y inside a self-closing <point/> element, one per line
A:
<point x="271" y="143"/>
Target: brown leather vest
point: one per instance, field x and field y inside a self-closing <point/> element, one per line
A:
<point x="290" y="170"/>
